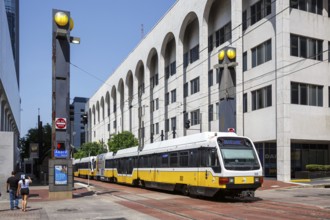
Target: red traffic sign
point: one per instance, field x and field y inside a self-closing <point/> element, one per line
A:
<point x="60" y="123"/>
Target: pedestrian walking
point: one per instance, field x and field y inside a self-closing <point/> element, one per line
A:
<point x="23" y="189"/>
<point x="12" y="185"/>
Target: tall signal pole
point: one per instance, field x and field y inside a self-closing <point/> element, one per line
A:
<point x="60" y="166"/>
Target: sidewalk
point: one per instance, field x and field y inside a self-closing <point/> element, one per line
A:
<point x="86" y="206"/>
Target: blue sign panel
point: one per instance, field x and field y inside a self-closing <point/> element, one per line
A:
<point x="60" y="153"/>
<point x="61" y="175"/>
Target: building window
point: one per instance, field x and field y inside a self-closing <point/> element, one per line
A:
<point x="219" y="75"/>
<point x="217" y="111"/>
<point x="194" y="116"/>
<point x="245" y="61"/>
<point x="167" y="99"/>
<point x="210" y="43"/>
<point x="152" y="106"/>
<point x="173" y="123"/>
<point x="313" y="6"/>
<point x="167" y="125"/>
<point x="329" y="96"/>
<point x="194" y="85"/>
<point x="185" y="90"/>
<point x="306" y="47"/>
<point x="223" y="34"/>
<point x="185" y="60"/>
<point x="244" y="20"/>
<point x="173" y="68"/>
<point x="173" y="96"/>
<point x="156" y="79"/>
<point x="152" y="82"/>
<point x="245" y="102"/>
<point x="329" y="42"/>
<point x="114" y="124"/>
<point x="210" y="112"/>
<point x="262" y="53"/>
<point x="210" y="78"/>
<point x="256" y="12"/>
<point x="194" y="54"/>
<point x="152" y="128"/>
<point x="262" y="98"/>
<point x="167" y="72"/>
<point x="185" y="117"/>
<point x="157" y="128"/>
<point x="306" y="94"/>
<point x="260" y="10"/>
<point x="157" y="104"/>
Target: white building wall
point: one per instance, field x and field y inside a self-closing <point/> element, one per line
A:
<point x="189" y="24"/>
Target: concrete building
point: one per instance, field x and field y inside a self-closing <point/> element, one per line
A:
<point x="9" y="89"/>
<point x="278" y="93"/>
<point x="77" y="127"/>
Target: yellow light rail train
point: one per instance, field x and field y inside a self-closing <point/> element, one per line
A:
<point x="208" y="164"/>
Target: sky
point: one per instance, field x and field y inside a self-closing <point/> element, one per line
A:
<point x="109" y="30"/>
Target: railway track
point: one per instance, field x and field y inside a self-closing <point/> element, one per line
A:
<point x="164" y="205"/>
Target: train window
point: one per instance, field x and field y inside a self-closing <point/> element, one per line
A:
<point x="164" y="160"/>
<point x="213" y="160"/>
<point x="193" y="158"/>
<point x="184" y="156"/>
<point x="142" y="161"/>
<point x="129" y="166"/>
<point x="174" y="159"/>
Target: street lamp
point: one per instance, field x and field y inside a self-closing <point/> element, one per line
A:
<point x="227" y="88"/>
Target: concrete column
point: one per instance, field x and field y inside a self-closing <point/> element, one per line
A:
<point x="282" y="90"/>
<point x="237" y="39"/>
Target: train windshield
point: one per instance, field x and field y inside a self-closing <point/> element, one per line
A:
<point x="238" y="154"/>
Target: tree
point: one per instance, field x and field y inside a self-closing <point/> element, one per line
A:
<point x="90" y="149"/>
<point x="33" y="136"/>
<point x="122" y="140"/>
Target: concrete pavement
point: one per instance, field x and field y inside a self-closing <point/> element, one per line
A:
<point x="85" y="205"/>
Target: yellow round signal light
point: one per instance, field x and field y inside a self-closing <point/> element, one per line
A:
<point x="221" y="55"/>
<point x="231" y="53"/>
<point x="61" y="18"/>
<point x="71" y="24"/>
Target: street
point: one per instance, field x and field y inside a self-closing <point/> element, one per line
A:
<point x="283" y="203"/>
<point x="102" y="200"/>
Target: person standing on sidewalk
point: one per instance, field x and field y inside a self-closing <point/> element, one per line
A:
<point x="23" y="188"/>
<point x="12" y="184"/>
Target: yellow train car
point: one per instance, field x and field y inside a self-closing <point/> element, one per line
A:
<point x="85" y="167"/>
<point x="208" y="164"/>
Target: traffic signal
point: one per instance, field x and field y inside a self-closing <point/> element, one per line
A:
<point x="84" y="118"/>
<point x="187" y="124"/>
<point x="71" y="113"/>
<point x="60" y="146"/>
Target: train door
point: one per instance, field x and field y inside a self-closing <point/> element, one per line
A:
<point x="202" y="169"/>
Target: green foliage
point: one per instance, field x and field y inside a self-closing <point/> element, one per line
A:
<point x="317" y="167"/>
<point x="122" y="140"/>
<point x="33" y="136"/>
<point x="90" y="149"/>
